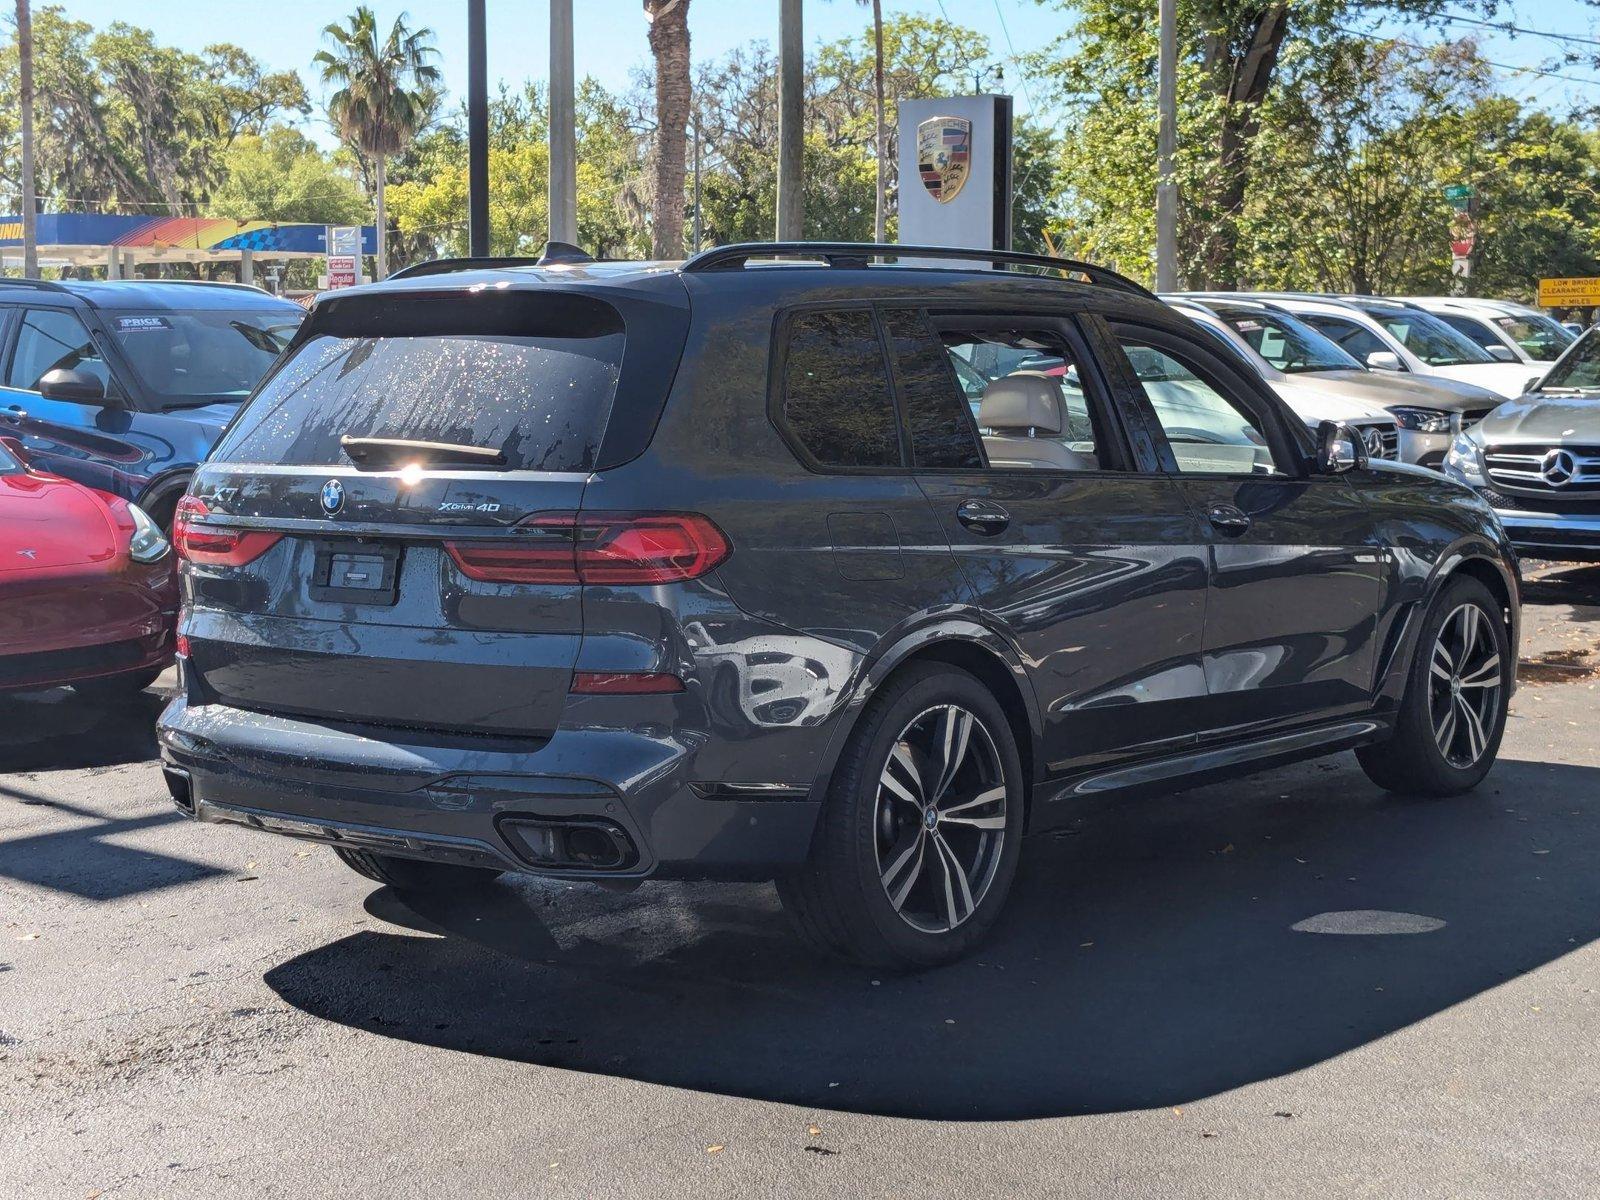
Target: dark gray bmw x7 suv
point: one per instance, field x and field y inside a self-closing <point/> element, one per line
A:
<point x="716" y="570"/>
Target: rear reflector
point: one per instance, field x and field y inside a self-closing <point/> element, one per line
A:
<point x="619" y="549"/>
<point x="212" y="545"/>
<point x="625" y="683"/>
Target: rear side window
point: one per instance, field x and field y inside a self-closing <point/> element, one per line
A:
<point x="837" y="401"/>
<point x="541" y="400"/>
<point x="942" y="430"/>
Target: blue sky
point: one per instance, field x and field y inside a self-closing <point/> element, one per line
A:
<point x="610" y="34"/>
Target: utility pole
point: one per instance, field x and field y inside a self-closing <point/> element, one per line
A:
<point x="791" y="122"/>
<point x="30" y="204"/>
<point x="477" y="131"/>
<point x="563" y="138"/>
<point x="698" y="227"/>
<point x="1166" y="149"/>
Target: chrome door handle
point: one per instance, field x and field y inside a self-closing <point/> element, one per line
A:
<point x="17" y="411"/>
<point x="983" y="516"/>
<point x="1228" y="519"/>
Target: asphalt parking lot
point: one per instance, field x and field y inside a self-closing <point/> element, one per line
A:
<point x="203" y="1011"/>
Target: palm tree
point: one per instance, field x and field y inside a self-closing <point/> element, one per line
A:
<point x="382" y="97"/>
<point x="30" y="236"/>
<point x="669" y="44"/>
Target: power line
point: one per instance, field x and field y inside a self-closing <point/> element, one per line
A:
<point x="1488" y="62"/>
<point x="1508" y="27"/>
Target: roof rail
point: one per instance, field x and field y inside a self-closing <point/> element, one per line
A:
<point x="554" y="253"/>
<point x="44" y="285"/>
<point x="858" y="254"/>
<point x="210" y="283"/>
<point x="448" y="266"/>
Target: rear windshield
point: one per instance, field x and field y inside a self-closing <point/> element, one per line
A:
<point x="204" y="355"/>
<point x="540" y="400"/>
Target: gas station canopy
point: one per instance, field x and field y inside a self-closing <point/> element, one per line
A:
<point x="120" y="243"/>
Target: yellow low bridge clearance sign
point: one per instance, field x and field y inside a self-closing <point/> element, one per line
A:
<point x="1569" y="293"/>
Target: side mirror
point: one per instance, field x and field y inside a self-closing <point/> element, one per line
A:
<point x="69" y="383"/>
<point x="1501" y="353"/>
<point x="1533" y="382"/>
<point x="1339" y="449"/>
<point x="1384" y="360"/>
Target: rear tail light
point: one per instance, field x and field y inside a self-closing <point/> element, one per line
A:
<point x="212" y="545"/>
<point x="620" y="549"/>
<point x="625" y="683"/>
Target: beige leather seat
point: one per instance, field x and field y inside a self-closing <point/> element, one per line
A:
<point x="1025" y="414"/>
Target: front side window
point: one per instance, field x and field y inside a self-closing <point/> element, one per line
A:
<point x="53" y="339"/>
<point x="943" y="435"/>
<point x="837" y="400"/>
<point x="1430" y="339"/>
<point x="202" y="356"/>
<point x="1472" y="329"/>
<point x="1542" y="338"/>
<point x="1208" y="433"/>
<point x="1351" y="337"/>
<point x="1288" y="344"/>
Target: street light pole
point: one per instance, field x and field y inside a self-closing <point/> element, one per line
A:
<point x="1166" y="149"/>
<point x="791" y="122"/>
<point x="477" y="131"/>
<point x="563" y="138"/>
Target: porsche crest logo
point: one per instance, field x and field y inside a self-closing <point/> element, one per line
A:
<point x="944" y="155"/>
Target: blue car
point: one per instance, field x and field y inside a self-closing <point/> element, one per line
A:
<point x="124" y="385"/>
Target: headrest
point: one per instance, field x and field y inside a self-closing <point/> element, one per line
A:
<point x="1022" y="400"/>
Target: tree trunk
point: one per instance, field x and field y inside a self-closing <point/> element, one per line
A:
<point x="669" y="44"/>
<point x="380" y="175"/>
<point x="880" y="216"/>
<point x="30" y="204"/>
<point x="1241" y="84"/>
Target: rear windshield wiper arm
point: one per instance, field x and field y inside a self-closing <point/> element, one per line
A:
<point x="386" y="452"/>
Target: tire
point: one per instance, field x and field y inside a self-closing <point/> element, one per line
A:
<point x="115" y="688"/>
<point x="874" y="828"/>
<point x="414" y="875"/>
<point x="1437" y="748"/>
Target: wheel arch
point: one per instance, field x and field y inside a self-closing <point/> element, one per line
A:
<point x="1474" y="558"/>
<point x="967" y="646"/>
<point x="166" y="487"/>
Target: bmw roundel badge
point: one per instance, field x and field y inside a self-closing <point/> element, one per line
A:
<point x="332" y="496"/>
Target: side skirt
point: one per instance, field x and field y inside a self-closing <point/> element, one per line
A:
<point x="1065" y="798"/>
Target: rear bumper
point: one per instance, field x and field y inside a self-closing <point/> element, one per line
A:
<point x="474" y="800"/>
<point x="1552" y="535"/>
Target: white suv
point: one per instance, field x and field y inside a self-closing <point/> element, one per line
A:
<point x="1509" y="332"/>
<point x="1387" y="335"/>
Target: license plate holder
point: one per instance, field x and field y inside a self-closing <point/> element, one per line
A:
<point x="356" y="573"/>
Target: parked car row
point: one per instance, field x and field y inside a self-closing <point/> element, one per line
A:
<point x="110" y="394"/>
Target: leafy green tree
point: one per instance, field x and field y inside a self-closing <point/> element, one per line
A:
<point x="281" y="175"/>
<point x="1232" y="59"/>
<point x="124" y="123"/>
<point x="383" y="95"/>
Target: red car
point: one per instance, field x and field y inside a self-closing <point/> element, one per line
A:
<point x="88" y="594"/>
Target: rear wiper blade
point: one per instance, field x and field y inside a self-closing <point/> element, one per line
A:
<point x="386" y="452"/>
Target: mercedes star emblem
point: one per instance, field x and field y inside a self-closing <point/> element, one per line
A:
<point x="1558" y="468"/>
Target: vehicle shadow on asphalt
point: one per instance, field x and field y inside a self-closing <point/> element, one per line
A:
<point x="59" y="730"/>
<point x="1576" y="585"/>
<point x="1146" y="958"/>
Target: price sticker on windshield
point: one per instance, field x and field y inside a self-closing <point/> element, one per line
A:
<point x="141" y="324"/>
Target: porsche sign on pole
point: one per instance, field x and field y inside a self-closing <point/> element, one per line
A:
<point x="958" y="151"/>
